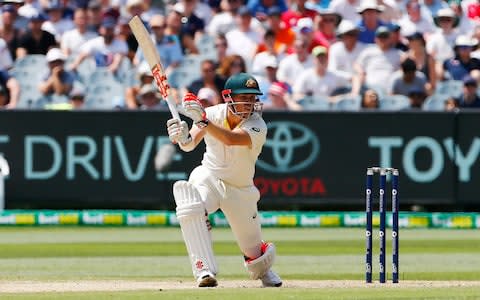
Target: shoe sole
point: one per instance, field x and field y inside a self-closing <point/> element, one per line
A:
<point x="274" y="285"/>
<point x="208" y="282"/>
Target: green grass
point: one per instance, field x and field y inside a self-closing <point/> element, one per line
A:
<point x="158" y="254"/>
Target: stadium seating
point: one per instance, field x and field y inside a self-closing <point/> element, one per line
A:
<point x="435" y="102"/>
<point x="348" y="102"/>
<point x="394" y="102"/>
<point x="453" y="88"/>
<point x="317" y="103"/>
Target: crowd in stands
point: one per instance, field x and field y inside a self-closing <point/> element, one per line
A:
<point x="306" y="54"/>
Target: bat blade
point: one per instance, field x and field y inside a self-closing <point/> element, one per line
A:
<point x="153" y="59"/>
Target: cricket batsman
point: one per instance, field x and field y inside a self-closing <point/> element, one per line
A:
<point x="234" y="133"/>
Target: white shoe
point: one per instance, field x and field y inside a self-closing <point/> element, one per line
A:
<point x="206" y="279"/>
<point x="271" y="279"/>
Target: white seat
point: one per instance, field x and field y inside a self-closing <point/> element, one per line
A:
<point x="394" y="102"/>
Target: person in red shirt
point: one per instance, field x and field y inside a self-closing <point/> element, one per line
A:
<point x="297" y="11"/>
<point x="326" y="24"/>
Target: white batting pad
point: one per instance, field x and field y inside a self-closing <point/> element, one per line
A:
<point x="191" y="215"/>
<point x="259" y="266"/>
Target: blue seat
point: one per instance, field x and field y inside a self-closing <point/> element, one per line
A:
<point x="348" y="102"/>
<point x="314" y="103"/>
<point x="104" y="95"/>
<point x="394" y="102"/>
<point x="435" y="102"/>
<point x="452" y="88"/>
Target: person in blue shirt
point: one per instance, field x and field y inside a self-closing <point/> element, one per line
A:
<point x="469" y="97"/>
<point x="370" y="12"/>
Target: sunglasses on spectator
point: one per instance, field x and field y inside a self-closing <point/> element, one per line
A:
<point x="329" y="20"/>
<point x="220" y="45"/>
<point x="464" y="47"/>
<point x="445" y="19"/>
<point x="237" y="64"/>
<point x="155" y="27"/>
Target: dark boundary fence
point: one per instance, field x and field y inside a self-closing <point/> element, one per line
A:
<point x="311" y="160"/>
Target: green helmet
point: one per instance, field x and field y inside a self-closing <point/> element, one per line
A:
<point x="241" y="83"/>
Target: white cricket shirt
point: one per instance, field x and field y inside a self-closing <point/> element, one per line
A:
<point x="234" y="164"/>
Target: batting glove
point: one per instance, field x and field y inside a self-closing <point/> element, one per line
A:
<point x="178" y="131"/>
<point x="194" y="110"/>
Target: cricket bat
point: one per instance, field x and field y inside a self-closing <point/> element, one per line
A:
<point x="153" y="59"/>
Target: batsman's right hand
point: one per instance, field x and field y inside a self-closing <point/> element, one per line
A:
<point x="178" y="131"/>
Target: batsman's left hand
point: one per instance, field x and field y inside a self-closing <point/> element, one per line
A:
<point x="194" y="109"/>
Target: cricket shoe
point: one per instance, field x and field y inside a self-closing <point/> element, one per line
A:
<point x="206" y="279"/>
<point x="271" y="279"/>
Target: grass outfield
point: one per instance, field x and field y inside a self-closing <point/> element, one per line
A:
<point x="49" y="255"/>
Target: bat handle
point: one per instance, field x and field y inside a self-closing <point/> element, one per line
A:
<point x="173" y="109"/>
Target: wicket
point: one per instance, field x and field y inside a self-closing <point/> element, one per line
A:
<point x="382" y="210"/>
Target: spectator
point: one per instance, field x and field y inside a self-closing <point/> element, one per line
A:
<point x="94" y="16"/>
<point x="6" y="61"/>
<point x="259" y="8"/>
<point x="424" y="61"/>
<point x="231" y="65"/>
<point x="462" y="64"/>
<point x="370" y="99"/>
<point x="294" y="64"/>
<point x="58" y="81"/>
<point x="175" y="26"/>
<point x="304" y="31"/>
<point x="465" y="25"/>
<point x="8" y="32"/>
<point x="144" y="77"/>
<point x="417" y="98"/>
<point x="208" y="97"/>
<point x="391" y="10"/>
<point x="56" y="24"/>
<point x="9" y="90"/>
<point x="451" y="104"/>
<point x="225" y="21"/>
<point x="21" y="22"/>
<point x="244" y="40"/>
<point x="198" y="8"/>
<point x="415" y="21"/>
<point x="397" y="39"/>
<point x="326" y="23"/>
<point x="297" y="11"/>
<point x="377" y="63"/>
<point x="469" y="97"/>
<point x="29" y="8"/>
<point x="77" y="98"/>
<point x="317" y="82"/>
<point x="35" y="40"/>
<point x="192" y="27"/>
<point x="347" y="9"/>
<point x="149" y="98"/>
<point x="279" y="98"/>
<point x="221" y="46"/>
<point x="124" y="33"/>
<point x="209" y="78"/>
<point x="136" y="8"/>
<point x="403" y="81"/>
<point x="434" y="6"/>
<point x="168" y="46"/>
<point x="283" y="35"/>
<point x="73" y="39"/>
<point x="270" y="65"/>
<point x="440" y="44"/>
<point x="107" y="50"/>
<point x="345" y="52"/>
<point x="369" y="11"/>
<point x="266" y="50"/>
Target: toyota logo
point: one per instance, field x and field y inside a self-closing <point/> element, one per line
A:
<point x="290" y="146"/>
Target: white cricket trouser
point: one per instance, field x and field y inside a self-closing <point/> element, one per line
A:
<point x="239" y="204"/>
